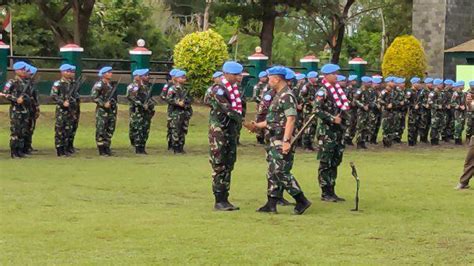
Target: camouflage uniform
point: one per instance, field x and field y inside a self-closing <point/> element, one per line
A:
<point x="424" y="114"/>
<point x="222" y="136"/>
<point x="362" y="100"/>
<point x="244" y="111"/>
<point x="142" y="110"/>
<point x="449" y="130"/>
<point x="437" y="115"/>
<point x="458" y="103"/>
<point x="178" y="116"/>
<point x="469" y="120"/>
<point x="330" y="141"/>
<point x="62" y="91"/>
<point x="33" y="116"/>
<point x="76" y="117"/>
<point x="261" y="91"/>
<point x="400" y="111"/>
<point x="19" y="114"/>
<point x="106" y="118"/>
<point x="306" y="99"/>
<point x="411" y="95"/>
<point x="375" y="115"/>
<point x="352" y="114"/>
<point x="163" y="93"/>
<point x="446" y="98"/>
<point x="388" y="117"/>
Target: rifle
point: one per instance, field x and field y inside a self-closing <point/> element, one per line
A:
<point x="112" y="94"/>
<point x="149" y="96"/>
<point x="354" y="174"/>
<point x="75" y="88"/>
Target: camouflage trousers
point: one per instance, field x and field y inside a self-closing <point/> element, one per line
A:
<point x="18" y="128"/>
<point x="401" y="116"/>
<point x="222" y="155"/>
<point x="63" y="127"/>
<point x="30" y="128"/>
<point x="389" y="129"/>
<point x="279" y="177"/>
<point x="310" y="131"/>
<point x="363" y="129"/>
<point x="375" y="121"/>
<point x="459" y="121"/>
<point x="178" y="128"/>
<point x="239" y="125"/>
<point x="352" y="124"/>
<point x="139" y="127"/>
<point x="105" y="125"/>
<point x="412" y="125"/>
<point x="330" y="153"/>
<point x="449" y="129"/>
<point x="76" y="116"/>
<point x="437" y="118"/>
<point x="424" y="123"/>
<point x="469" y="124"/>
<point x="260" y="134"/>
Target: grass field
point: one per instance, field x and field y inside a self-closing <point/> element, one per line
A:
<point x="157" y="209"/>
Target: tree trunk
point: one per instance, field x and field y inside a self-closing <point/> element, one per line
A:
<point x="268" y="26"/>
<point x="340" y="27"/>
<point x="205" y="25"/>
<point x="384" y="37"/>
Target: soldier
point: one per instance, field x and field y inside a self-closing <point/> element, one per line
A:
<point x="244" y="102"/>
<point x="362" y="100"/>
<point x="375" y="114"/>
<point x="260" y="91"/>
<point x="350" y="89"/>
<point x="163" y="94"/>
<point x="300" y="82"/>
<point x="216" y="77"/>
<point x="306" y="100"/>
<point x="469" y="115"/>
<point x="142" y="109"/>
<point x="437" y="111"/>
<point x="280" y="122"/>
<point x="104" y="94"/>
<point x="424" y="121"/>
<point x="76" y="109"/>
<point x="458" y="105"/>
<point x="401" y="104"/>
<point x="411" y="96"/>
<point x="469" y="161"/>
<point x="15" y="91"/>
<point x="331" y="108"/>
<point x="180" y="112"/>
<point x="449" y="115"/>
<point x="387" y="104"/>
<point x="62" y="94"/>
<point x="225" y="115"/>
<point x="34" y="110"/>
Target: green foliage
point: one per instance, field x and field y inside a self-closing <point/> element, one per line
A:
<point x="200" y="54"/>
<point x="404" y="58"/>
<point x="365" y="44"/>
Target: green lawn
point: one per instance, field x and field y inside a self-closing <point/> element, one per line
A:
<point x="157" y="209"/>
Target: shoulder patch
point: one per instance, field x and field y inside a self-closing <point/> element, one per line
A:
<point x="358" y="91"/>
<point x="383" y="92"/>
<point x="267" y="97"/>
<point x="57" y="83"/>
<point x="220" y="92"/>
<point x="321" y="93"/>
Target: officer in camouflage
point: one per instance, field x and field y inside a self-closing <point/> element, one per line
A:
<point x="163" y="94"/>
<point x="458" y="105"/>
<point x="15" y="91"/>
<point x="216" y="77"/>
<point x="62" y="94"/>
<point x="436" y="100"/>
<point x="387" y="103"/>
<point x="179" y="111"/>
<point x="411" y="95"/>
<point x="424" y="115"/>
<point x="34" y="110"/>
<point x="350" y="89"/>
<point x="260" y="91"/>
<point x="362" y="100"/>
<point x="306" y="100"/>
<point x="401" y="109"/>
<point x="280" y="123"/>
<point x="142" y="109"/>
<point x="375" y="114"/>
<point x="448" y="132"/>
<point x="104" y="94"/>
<point x="224" y="116"/>
<point x="469" y="115"/>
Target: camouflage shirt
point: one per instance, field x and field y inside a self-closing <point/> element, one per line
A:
<point x="282" y="106"/>
<point x="176" y="94"/>
<point x="307" y="95"/>
<point x="221" y="112"/>
<point x="138" y="95"/>
<point x="62" y="90"/>
<point x="362" y="97"/>
<point x="14" y="89"/>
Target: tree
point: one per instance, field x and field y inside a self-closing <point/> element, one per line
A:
<point x="404" y="58"/>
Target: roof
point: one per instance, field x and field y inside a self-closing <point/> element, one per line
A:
<point x="462" y="48"/>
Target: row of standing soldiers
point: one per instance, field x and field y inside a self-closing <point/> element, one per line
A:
<point x="434" y="109"/>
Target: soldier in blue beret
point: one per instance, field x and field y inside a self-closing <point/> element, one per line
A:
<point x="33" y="108"/>
<point x="436" y="102"/>
<point x="375" y="114"/>
<point x="305" y="99"/>
<point x="104" y="94"/>
<point x="458" y="105"/>
<point x="263" y="96"/>
<point x="350" y="88"/>
<point x="411" y="95"/>
<point x="362" y="105"/>
<point x="448" y="127"/>
<point x="424" y="112"/>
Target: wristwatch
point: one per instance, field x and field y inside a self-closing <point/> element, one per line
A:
<point x="286" y="139"/>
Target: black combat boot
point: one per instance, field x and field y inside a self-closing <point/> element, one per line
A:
<point x="19" y="152"/>
<point x="61" y="152"/>
<point x="101" y="150"/>
<point x="309" y="147"/>
<point x="70" y="148"/>
<point x="137" y="149"/>
<point x="326" y="195"/>
<point x="144" y="150"/>
<point x="348" y="141"/>
<point x="302" y="203"/>
<point x="107" y="150"/>
<point x="333" y="194"/>
<point x="260" y="140"/>
<point x="284" y="202"/>
<point x="222" y="203"/>
<point x="434" y="142"/>
<point x="230" y="206"/>
<point x="458" y="141"/>
<point x="411" y="143"/>
<point x="13" y="152"/>
<point x="270" y="206"/>
<point x="361" y="145"/>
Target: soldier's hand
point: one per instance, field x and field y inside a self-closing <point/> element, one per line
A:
<point x="366" y="107"/>
<point x="285" y="148"/>
<point x="66" y="103"/>
<point x="337" y="120"/>
<point x="20" y="100"/>
<point x="416" y="107"/>
<point x="389" y="106"/>
<point x="145" y="106"/>
<point x="107" y="105"/>
<point x="462" y="107"/>
<point x="181" y="103"/>
<point x="2" y="94"/>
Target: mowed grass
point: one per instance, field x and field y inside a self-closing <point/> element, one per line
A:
<point x="157" y="209"/>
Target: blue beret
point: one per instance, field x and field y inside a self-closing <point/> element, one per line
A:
<point x="352" y="77"/>
<point x="366" y="79"/>
<point x="389" y="79"/>
<point x="232" y="67"/>
<point x="341" y="78"/>
<point x="180" y="73"/>
<point x="104" y="70"/>
<point x="217" y="74"/>
<point x="448" y="82"/>
<point x="33" y="70"/>
<point x="415" y="80"/>
<point x="173" y="71"/>
<point x="377" y="80"/>
<point x="141" y="72"/>
<point x="262" y="74"/>
<point x="471" y="83"/>
<point x="277" y="70"/>
<point x="312" y="74"/>
<point x="461" y="82"/>
<point x="19" y="65"/>
<point x="400" y="80"/>
<point x="67" y="67"/>
<point x="300" y="76"/>
<point x="329" y="68"/>
<point x="290" y="74"/>
<point x="428" y="80"/>
<point x="437" y="81"/>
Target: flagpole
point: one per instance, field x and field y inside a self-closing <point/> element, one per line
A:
<point x="11" y="31"/>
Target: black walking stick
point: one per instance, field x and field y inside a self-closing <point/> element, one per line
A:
<point x="354" y="174"/>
